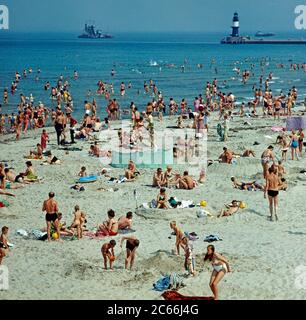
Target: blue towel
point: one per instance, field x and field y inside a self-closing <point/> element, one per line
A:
<point x="212" y="238"/>
<point x="162" y="284"/>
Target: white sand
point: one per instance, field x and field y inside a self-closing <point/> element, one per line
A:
<point x="263" y="254"/>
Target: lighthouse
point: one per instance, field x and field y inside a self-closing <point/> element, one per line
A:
<point x="235" y="26"/>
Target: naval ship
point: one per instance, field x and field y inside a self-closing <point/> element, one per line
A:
<point x="236" y="38"/>
<point x="90" y="32"/>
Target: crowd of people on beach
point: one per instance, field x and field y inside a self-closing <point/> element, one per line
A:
<point x="32" y="116"/>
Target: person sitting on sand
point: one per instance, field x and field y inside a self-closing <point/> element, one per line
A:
<point x="162" y="199"/>
<point x="108" y="253"/>
<point x="202" y="177"/>
<point x="189" y="257"/>
<point x="250" y="186"/>
<point x="125" y="223"/>
<point x="36" y="155"/>
<point x="96" y="152"/>
<point x="168" y="176"/>
<point x="9" y="184"/>
<point x="83" y="172"/>
<point x="2" y="187"/>
<point x="131" y="171"/>
<point x="110" y="226"/>
<point x="226" y="156"/>
<point x="29" y="175"/>
<point x="186" y="182"/>
<point x="231" y="209"/>
<point x="4" y="247"/>
<point x="179" y="235"/>
<point x="132" y="245"/>
<point x="158" y="178"/>
<point x="52" y="159"/>
<point x="78" y="221"/>
<point x="220" y="268"/>
<point x="180" y="122"/>
<point x="62" y="227"/>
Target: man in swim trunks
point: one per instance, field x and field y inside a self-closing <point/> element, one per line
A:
<point x="186" y="182"/>
<point x="132" y="245"/>
<point x="272" y="189"/>
<point x="125" y="223"/>
<point x="226" y="156"/>
<point x="51" y="207"/>
<point x="107" y="251"/>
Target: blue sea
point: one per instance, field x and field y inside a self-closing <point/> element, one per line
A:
<point x="137" y="57"/>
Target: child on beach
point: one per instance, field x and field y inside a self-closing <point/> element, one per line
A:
<point x="78" y="221"/>
<point x="189" y="257"/>
<point x="179" y="236"/>
<point x="108" y="253"/>
<point x="162" y="199"/>
<point x="4" y="248"/>
<point x="82" y="173"/>
<point x="44" y="139"/>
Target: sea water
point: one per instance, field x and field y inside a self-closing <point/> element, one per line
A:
<point x="139" y="57"/>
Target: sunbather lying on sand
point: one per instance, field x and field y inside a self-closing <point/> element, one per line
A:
<point x="96" y="152"/>
<point x="52" y="159"/>
<point x="231" y="209"/>
<point x="250" y="186"/>
<point x="9" y="184"/>
<point x="108" y="253"/>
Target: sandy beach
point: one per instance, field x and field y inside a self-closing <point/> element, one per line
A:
<point x="263" y="255"/>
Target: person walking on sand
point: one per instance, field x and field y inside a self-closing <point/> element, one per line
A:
<point x="220" y="268"/>
<point x="266" y="157"/>
<point x="132" y="245"/>
<point x="272" y="189"/>
<point x="51" y="207"/>
<point x="294" y="144"/>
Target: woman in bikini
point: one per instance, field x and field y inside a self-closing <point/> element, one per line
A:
<point x="162" y="199"/>
<point x="132" y="245"/>
<point x="220" y="268"/>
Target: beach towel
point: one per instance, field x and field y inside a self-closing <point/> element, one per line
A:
<point x="174" y="295"/>
<point x="39" y="235"/>
<point x="212" y="238"/>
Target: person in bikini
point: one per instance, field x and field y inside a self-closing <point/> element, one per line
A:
<point x="51" y="208"/>
<point x="272" y="190"/>
<point x="132" y="245"/>
<point x="110" y="226"/>
<point x="179" y="236"/>
<point x="220" y="268"/>
<point x="108" y="253"/>
<point x="125" y="223"/>
<point x="162" y="199"/>
<point x="266" y="157"/>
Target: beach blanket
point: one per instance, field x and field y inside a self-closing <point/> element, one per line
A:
<point x="212" y="238"/>
<point x="174" y="295"/>
<point x="296" y="123"/>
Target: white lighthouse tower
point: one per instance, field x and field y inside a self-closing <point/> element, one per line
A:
<point x="235" y="25"/>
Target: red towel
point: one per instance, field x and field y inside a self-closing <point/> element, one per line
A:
<point x="174" y="295"/>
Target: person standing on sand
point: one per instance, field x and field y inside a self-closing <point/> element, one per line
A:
<point x="266" y="157"/>
<point x="51" y="207"/>
<point x="108" y="253"/>
<point x="220" y="268"/>
<point x="272" y="189"/>
<point x="179" y="234"/>
<point x="132" y="245"/>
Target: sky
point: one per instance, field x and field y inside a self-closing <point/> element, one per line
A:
<point x="151" y="15"/>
